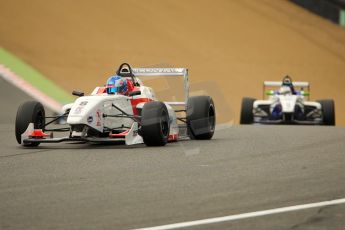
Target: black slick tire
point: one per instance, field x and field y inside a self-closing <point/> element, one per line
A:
<point x="247" y="116"/>
<point x="201" y="117"/>
<point x="29" y="112"/>
<point x="155" y="124"/>
<point x="328" y="112"/>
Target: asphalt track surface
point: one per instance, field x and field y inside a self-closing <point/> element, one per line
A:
<point x="243" y="169"/>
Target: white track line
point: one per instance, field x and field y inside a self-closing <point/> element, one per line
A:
<point x="245" y="215"/>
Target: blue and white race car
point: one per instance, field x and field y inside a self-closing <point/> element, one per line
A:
<point x="287" y="105"/>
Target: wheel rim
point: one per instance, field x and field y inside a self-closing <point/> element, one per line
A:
<point x="39" y="121"/>
<point x="211" y="118"/>
<point x="164" y="124"/>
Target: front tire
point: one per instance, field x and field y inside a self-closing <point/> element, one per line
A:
<point x="328" y="112"/>
<point x="247" y="116"/>
<point x="155" y="123"/>
<point x="29" y="112"/>
<point x="201" y="117"/>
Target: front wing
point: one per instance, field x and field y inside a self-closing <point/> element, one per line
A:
<point x="261" y="115"/>
<point x="129" y="137"/>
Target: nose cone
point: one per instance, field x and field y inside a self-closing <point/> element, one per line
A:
<point x="288" y="103"/>
<point x="84" y="111"/>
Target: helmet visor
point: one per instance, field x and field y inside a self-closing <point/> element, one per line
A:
<point x="112" y="89"/>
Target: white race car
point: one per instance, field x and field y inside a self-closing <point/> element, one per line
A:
<point x="133" y="118"/>
<point x="287" y="106"/>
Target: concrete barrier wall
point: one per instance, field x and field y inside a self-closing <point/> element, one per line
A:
<point x="342" y="17"/>
<point x="333" y="10"/>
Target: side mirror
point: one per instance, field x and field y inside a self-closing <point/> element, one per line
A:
<point x="305" y="94"/>
<point x="269" y="93"/>
<point x="77" y="93"/>
<point x="134" y="93"/>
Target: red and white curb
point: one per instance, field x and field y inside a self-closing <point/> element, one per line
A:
<point x="28" y="88"/>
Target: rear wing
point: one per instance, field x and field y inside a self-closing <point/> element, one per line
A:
<point x="300" y="84"/>
<point x="279" y="83"/>
<point x="167" y="72"/>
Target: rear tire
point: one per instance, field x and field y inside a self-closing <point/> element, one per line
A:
<point x="29" y="112"/>
<point x="201" y="117"/>
<point x="328" y="112"/>
<point x="155" y="123"/>
<point x="247" y="116"/>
